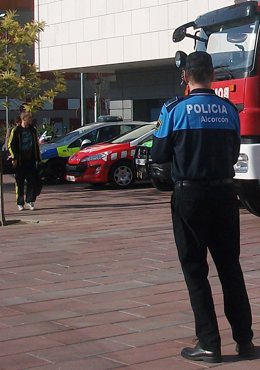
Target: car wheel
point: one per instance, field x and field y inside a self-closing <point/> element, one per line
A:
<point x="55" y="171"/>
<point x="122" y="175"/>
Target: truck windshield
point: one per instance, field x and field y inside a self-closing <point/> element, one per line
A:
<point x="232" y="48"/>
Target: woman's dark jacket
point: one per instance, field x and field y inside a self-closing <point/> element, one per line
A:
<point x="14" y="144"/>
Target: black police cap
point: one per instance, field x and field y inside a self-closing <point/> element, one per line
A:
<point x="198" y="60"/>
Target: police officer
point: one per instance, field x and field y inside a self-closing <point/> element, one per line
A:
<point x="200" y="134"/>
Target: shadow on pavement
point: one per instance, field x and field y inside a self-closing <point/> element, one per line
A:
<point x="236" y="358"/>
<point x="12" y="222"/>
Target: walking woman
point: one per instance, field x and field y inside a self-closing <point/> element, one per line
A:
<point x="25" y="153"/>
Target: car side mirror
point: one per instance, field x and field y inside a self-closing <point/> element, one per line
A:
<point x="85" y="143"/>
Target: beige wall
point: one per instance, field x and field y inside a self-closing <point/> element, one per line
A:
<point x="91" y="33"/>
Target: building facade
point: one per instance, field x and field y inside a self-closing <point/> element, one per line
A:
<point x="122" y="48"/>
<point x="126" y="44"/>
<point x="109" y="35"/>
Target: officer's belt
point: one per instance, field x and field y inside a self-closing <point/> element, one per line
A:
<point x="217" y="182"/>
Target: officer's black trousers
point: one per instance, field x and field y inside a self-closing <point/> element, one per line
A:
<point x="26" y="171"/>
<point x="207" y="218"/>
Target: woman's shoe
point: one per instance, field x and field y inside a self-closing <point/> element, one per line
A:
<point x="30" y="205"/>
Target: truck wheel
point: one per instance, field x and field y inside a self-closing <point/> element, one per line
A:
<point x="161" y="186"/>
<point x="55" y="171"/>
<point x="122" y="175"/>
<point x="249" y="195"/>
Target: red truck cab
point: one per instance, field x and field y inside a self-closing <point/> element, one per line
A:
<point x="231" y="36"/>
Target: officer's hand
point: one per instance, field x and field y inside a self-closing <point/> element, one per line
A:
<point x="14" y="163"/>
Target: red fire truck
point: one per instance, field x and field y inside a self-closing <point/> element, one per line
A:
<point x="232" y="36"/>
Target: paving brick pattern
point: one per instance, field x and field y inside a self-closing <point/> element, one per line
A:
<point x="91" y="281"/>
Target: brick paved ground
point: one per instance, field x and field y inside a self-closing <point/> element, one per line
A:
<point x="91" y="281"/>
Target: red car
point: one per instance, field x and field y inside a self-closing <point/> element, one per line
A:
<point x="109" y="162"/>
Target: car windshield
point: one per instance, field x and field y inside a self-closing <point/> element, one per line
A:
<point x="232" y="48"/>
<point x="66" y="139"/>
<point x="132" y="135"/>
<point x="148" y="141"/>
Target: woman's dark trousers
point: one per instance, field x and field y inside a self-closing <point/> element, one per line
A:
<point x="25" y="172"/>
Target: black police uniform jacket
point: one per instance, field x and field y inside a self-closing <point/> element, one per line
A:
<point x="200" y="134"/>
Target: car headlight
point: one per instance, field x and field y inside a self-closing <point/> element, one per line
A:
<point x="242" y="164"/>
<point x="95" y="157"/>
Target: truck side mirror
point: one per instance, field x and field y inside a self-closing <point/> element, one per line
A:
<point x="179" y="34"/>
<point x="180" y="59"/>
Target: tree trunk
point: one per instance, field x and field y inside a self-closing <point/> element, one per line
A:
<point x="2" y="213"/>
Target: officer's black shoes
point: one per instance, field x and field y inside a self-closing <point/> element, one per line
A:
<point x="199" y="354"/>
<point x="245" y="350"/>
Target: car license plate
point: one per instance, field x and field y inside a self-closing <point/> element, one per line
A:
<point x="70" y="178"/>
<point x="141" y="161"/>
